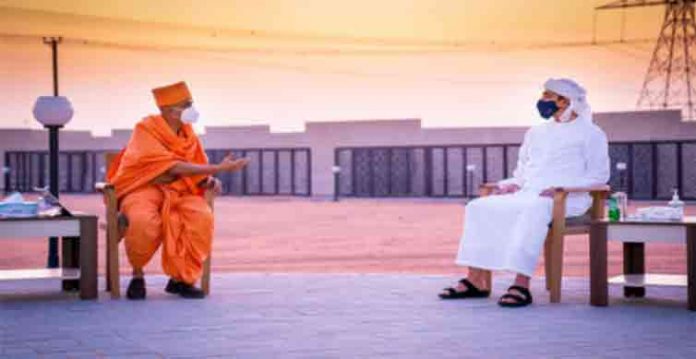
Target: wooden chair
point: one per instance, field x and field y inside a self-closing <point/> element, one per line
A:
<point x="559" y="227"/>
<point x="116" y="224"/>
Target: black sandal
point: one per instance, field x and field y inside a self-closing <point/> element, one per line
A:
<point x="136" y="289"/>
<point x="471" y="291"/>
<point x="519" y="300"/>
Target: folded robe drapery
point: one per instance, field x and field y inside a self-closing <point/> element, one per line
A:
<point x="173" y="214"/>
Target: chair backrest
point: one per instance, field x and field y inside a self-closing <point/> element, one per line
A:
<point x="109" y="158"/>
<point x="596" y="211"/>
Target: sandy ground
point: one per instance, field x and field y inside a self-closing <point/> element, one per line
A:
<point x="351" y="236"/>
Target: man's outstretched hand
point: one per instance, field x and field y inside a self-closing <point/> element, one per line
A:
<point x="230" y="164"/>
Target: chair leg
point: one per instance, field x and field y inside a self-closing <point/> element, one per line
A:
<point x="114" y="275"/>
<point x="556" y="260"/>
<point x="107" y="267"/>
<point x="488" y="279"/>
<point x="205" y="279"/>
<point x="547" y="261"/>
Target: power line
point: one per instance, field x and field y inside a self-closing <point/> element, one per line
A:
<point x="670" y="80"/>
<point x="265" y="35"/>
<point x="333" y="49"/>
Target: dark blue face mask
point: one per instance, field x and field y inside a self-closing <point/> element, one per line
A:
<point x="547" y="108"/>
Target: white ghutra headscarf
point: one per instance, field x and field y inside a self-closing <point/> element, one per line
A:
<point x="575" y="93"/>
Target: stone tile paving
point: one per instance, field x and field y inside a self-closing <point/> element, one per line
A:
<point x="340" y="316"/>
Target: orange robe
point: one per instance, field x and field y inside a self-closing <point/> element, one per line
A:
<point x="175" y="215"/>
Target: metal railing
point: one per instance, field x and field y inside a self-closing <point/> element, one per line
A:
<point x="274" y="171"/>
<point x="652" y="169"/>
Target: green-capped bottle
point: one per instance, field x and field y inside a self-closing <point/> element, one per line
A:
<point x="614" y="211"/>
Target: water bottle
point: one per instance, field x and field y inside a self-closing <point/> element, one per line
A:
<point x="622" y="203"/>
<point x="614" y="211"/>
<point x="677" y="203"/>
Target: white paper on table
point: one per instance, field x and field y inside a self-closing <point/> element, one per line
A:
<point x="15" y="197"/>
<point x="14" y="206"/>
<point x="657" y="213"/>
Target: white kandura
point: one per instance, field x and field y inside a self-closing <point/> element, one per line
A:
<point x="506" y="232"/>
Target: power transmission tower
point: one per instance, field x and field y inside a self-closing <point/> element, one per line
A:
<point x="670" y="79"/>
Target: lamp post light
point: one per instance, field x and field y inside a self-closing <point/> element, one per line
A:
<point x="336" y="170"/>
<point x="6" y="174"/>
<point x="53" y="112"/>
<point x="470" y="171"/>
<point x="621" y="169"/>
<point x="621" y="195"/>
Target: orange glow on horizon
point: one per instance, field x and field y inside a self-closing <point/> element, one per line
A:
<point x="450" y="62"/>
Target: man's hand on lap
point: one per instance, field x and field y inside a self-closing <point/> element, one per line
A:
<point x="164" y="178"/>
<point x="548" y="192"/>
<point x="212" y="183"/>
<point x="507" y="189"/>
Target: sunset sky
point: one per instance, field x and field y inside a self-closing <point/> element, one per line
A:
<point x="285" y="62"/>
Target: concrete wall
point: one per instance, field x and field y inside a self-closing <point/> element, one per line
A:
<point x="324" y="137"/>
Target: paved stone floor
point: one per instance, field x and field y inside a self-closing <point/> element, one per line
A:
<point x="341" y="316"/>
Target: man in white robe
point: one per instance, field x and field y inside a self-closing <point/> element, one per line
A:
<point x="506" y="231"/>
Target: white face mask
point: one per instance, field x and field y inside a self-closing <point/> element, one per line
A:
<point x="189" y="115"/>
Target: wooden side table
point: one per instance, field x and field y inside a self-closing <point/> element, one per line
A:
<point x="79" y="250"/>
<point x="634" y="235"/>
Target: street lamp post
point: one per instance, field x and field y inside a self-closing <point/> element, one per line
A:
<point x="470" y="171"/>
<point x="6" y="174"/>
<point x="621" y="169"/>
<point x="53" y="112"/>
<point x="336" y="170"/>
<point x="622" y="194"/>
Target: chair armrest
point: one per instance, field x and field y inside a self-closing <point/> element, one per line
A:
<point x="110" y="200"/>
<point x="115" y="222"/>
<point x="558" y="218"/>
<point x="103" y="186"/>
<point x="599" y="194"/>
<point x="209" y="195"/>
<point x="590" y="189"/>
<point x="560" y="196"/>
